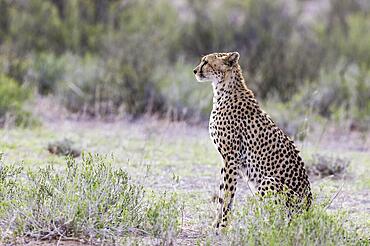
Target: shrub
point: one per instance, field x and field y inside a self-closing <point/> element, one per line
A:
<point x="9" y="185"/>
<point x="163" y="215"/>
<point x="185" y="98"/>
<point x="344" y="33"/>
<point x="12" y="98"/>
<point x="15" y="67"/>
<point x="293" y="121"/>
<point x="83" y="86"/>
<point x="48" y="70"/>
<point x="276" y="50"/>
<point x="323" y="166"/>
<point x="34" y="25"/>
<point x="339" y="94"/>
<point x="135" y="48"/>
<point x="65" y="147"/>
<point x="121" y="74"/>
<point x="124" y="57"/>
<point x="265" y="223"/>
<point x="89" y="200"/>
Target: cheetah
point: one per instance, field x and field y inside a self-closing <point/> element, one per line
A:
<point x="248" y="140"/>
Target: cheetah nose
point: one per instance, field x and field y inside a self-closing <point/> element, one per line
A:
<point x="195" y="71"/>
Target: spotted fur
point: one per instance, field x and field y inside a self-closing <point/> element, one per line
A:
<point x="249" y="142"/>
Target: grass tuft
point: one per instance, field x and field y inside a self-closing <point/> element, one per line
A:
<point x="265" y="223"/>
<point x="88" y="200"/>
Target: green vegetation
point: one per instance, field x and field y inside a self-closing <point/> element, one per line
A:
<point x="176" y="176"/>
<point x="114" y="58"/>
<point x="12" y="98"/>
<point x="266" y="223"/>
<point x="89" y="200"/>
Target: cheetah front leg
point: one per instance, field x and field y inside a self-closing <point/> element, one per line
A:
<point x="228" y="182"/>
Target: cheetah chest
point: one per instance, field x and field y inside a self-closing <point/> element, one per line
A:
<point x="221" y="132"/>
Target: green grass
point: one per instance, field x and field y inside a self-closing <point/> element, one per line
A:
<point x="180" y="161"/>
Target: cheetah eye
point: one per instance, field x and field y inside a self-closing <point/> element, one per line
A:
<point x="205" y="62"/>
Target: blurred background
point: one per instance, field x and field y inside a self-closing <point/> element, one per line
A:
<point x="304" y="59"/>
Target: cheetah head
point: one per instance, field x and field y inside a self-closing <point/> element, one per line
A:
<point x="212" y="67"/>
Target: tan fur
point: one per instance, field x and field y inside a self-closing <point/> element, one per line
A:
<point x="248" y="141"/>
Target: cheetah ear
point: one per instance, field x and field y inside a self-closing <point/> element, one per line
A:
<point x="232" y="58"/>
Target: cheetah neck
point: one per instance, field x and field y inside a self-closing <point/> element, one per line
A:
<point x="231" y="84"/>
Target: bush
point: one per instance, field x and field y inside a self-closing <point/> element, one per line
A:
<point x="121" y="73"/>
<point x="12" y="100"/>
<point x="135" y="48"/>
<point x="295" y="120"/>
<point x="323" y="166"/>
<point x="47" y="71"/>
<point x="185" y="98"/>
<point x="265" y="223"/>
<point x="15" y="67"/>
<point x="339" y="94"/>
<point x="65" y="147"/>
<point x="34" y="25"/>
<point x="163" y="215"/>
<point x="107" y="57"/>
<point x="277" y="52"/>
<point x="344" y="33"/>
<point x="84" y="86"/>
<point x="89" y="200"/>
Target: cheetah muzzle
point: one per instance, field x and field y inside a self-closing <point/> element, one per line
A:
<point x="249" y="142"/>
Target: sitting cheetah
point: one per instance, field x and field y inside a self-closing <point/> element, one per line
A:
<point x="249" y="142"/>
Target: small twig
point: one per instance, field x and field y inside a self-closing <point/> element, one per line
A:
<point x="56" y="229"/>
<point x="60" y="238"/>
<point x="137" y="230"/>
<point x="51" y="235"/>
<point x="335" y="196"/>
